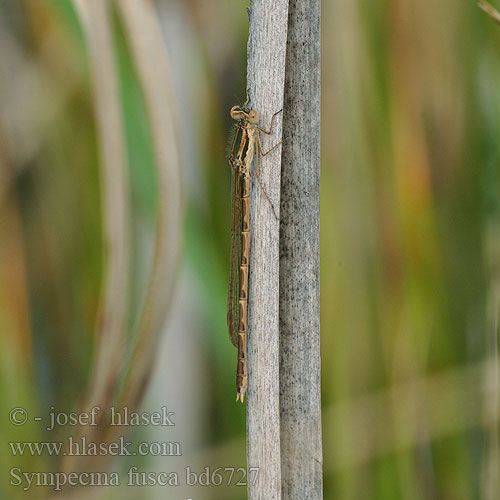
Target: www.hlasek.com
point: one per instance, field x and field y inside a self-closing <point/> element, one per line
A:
<point x="82" y="447"/>
<point x="220" y="476"/>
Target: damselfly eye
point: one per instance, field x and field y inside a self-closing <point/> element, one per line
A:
<point x="253" y="117"/>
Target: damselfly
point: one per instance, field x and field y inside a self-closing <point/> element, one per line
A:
<point x="245" y="143"/>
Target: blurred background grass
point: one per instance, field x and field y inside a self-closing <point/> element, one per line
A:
<point x="410" y="241"/>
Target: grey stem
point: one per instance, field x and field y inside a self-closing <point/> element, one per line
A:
<point x="265" y="83"/>
<point x="300" y="366"/>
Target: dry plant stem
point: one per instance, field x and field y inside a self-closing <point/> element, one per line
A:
<point x="265" y="83"/>
<point x="300" y="366"/>
<point x="490" y="10"/>
<point x="152" y="62"/>
<point x="111" y="323"/>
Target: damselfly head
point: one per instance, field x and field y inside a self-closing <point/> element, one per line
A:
<point x="253" y="117"/>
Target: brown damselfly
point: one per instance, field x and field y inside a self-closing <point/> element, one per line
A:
<point x="245" y="144"/>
